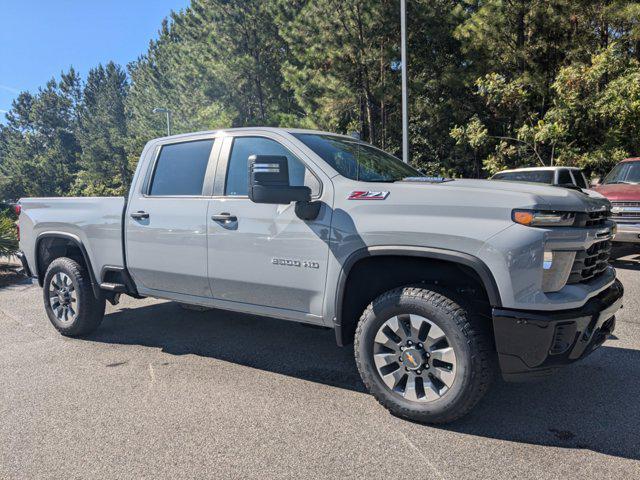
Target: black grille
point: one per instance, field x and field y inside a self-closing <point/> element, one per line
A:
<point x="592" y="219"/>
<point x="591" y="263"/>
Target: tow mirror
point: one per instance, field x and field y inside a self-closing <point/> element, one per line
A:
<point x="269" y="181"/>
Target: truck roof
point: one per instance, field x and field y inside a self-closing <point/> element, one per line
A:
<point x="632" y="159"/>
<point x="534" y="169"/>
<point x="241" y="129"/>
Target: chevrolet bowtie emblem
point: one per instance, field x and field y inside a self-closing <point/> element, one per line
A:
<point x="411" y="359"/>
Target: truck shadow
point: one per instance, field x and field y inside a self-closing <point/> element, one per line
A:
<point x="278" y="346"/>
<point x="592" y="405"/>
<point x="626" y="256"/>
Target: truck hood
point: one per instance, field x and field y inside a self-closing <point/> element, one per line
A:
<point x="619" y="192"/>
<point x="516" y="194"/>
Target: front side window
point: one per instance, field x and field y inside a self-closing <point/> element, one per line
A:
<point x="237" y="183"/>
<point x="180" y="168"/>
<point x="357" y="160"/>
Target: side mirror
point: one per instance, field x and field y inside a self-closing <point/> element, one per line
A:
<point x="596" y="181"/>
<point x="269" y="181"/>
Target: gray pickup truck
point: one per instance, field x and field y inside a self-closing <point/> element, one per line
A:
<point x="440" y="284"/>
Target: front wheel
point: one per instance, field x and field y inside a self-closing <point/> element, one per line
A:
<point x="69" y="301"/>
<point x="421" y="355"/>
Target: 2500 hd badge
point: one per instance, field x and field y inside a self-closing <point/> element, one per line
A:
<point x="287" y="262"/>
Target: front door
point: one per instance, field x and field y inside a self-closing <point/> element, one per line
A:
<point x="166" y="223"/>
<point x="264" y="254"/>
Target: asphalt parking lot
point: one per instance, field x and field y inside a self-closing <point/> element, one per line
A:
<point x="160" y="392"/>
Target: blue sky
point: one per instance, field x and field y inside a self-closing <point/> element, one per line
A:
<point x="41" y="38"/>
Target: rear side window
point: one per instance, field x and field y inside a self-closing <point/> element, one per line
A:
<point x="180" y="168"/>
<point x="564" y="177"/>
<point x="580" y="179"/>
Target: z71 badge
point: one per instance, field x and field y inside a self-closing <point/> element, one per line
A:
<point x="367" y="195"/>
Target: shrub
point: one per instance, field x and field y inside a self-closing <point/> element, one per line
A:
<point x="8" y="239"/>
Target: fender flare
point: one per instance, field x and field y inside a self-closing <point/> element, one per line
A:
<point x="452" y="256"/>
<point x="74" y="239"/>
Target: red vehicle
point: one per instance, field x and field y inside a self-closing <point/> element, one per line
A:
<point x="622" y="188"/>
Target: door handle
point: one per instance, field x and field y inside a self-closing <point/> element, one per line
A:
<point x="140" y="215"/>
<point x="224" y="217"/>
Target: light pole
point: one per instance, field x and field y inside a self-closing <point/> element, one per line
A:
<point x="405" y="95"/>
<point x="168" y="113"/>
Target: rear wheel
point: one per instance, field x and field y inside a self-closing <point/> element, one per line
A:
<point x="69" y="301"/>
<point x="422" y="356"/>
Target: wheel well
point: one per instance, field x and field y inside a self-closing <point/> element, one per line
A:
<point x="50" y="248"/>
<point x="372" y="276"/>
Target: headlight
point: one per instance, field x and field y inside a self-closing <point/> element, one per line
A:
<point x="556" y="269"/>
<point x="542" y="218"/>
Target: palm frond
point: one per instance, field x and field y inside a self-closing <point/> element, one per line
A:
<point x="8" y="240"/>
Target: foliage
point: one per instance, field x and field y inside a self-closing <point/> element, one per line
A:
<point x="8" y="240"/>
<point x="549" y="74"/>
<point x="601" y="102"/>
<point x="102" y="133"/>
<point x="493" y="84"/>
<point x="38" y="148"/>
<point x="475" y="135"/>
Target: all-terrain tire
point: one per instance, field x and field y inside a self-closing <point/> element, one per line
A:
<point x="468" y="334"/>
<point x="88" y="310"/>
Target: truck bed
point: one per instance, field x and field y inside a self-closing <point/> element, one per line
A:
<point x="95" y="221"/>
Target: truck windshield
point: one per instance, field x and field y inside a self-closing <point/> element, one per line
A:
<point x="357" y="160"/>
<point x="625" y="172"/>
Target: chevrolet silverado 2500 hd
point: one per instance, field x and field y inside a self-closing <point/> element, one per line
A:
<point x="438" y="283"/>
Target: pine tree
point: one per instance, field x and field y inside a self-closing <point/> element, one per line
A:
<point x="40" y="150"/>
<point x="102" y="133"/>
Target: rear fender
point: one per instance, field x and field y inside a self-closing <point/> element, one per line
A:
<point x="40" y="271"/>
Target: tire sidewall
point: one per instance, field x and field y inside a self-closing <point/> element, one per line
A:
<point x="398" y="304"/>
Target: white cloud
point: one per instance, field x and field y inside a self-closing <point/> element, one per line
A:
<point x="9" y="89"/>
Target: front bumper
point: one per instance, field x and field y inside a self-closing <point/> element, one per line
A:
<point x="628" y="233"/>
<point x="533" y="344"/>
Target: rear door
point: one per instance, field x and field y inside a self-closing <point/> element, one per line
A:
<point x="166" y="221"/>
<point x="264" y="255"/>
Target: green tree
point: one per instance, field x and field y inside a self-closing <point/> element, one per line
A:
<point x="39" y="147"/>
<point x="518" y="50"/>
<point x="493" y="84"/>
<point x="340" y="65"/>
<point x="600" y="99"/>
<point x="102" y="133"/>
<point x="216" y="64"/>
<point x="474" y="135"/>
